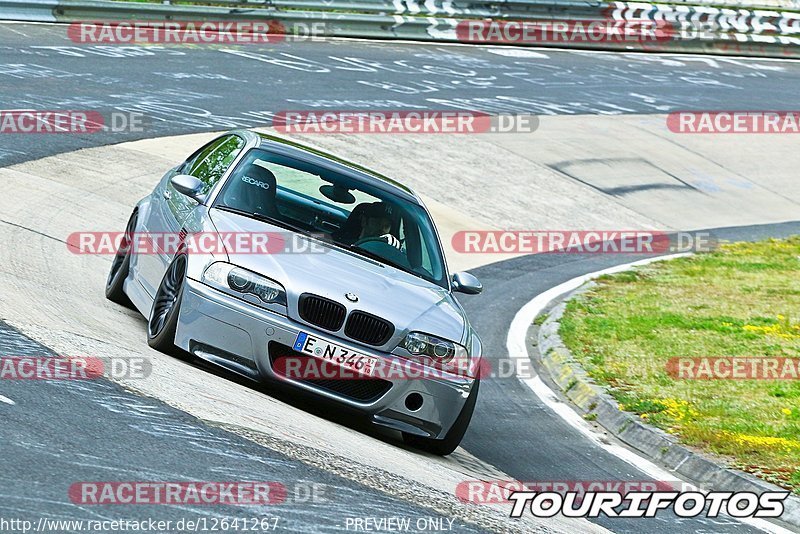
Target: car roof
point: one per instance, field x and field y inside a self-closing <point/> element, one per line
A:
<point x="330" y="162"/>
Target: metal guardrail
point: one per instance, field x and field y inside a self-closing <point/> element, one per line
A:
<point x="724" y="31"/>
<point x="474" y="6"/>
<point x="28" y="10"/>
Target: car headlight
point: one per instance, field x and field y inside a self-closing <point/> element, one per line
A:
<point x="439" y="350"/>
<point x="232" y="279"/>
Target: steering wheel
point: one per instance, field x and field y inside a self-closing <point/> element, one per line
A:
<point x="372" y="239"/>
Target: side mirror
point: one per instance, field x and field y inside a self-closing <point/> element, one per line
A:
<point x="188" y="185"/>
<point x="464" y="282"/>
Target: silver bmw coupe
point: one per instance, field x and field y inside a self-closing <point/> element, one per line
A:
<point x="280" y="262"/>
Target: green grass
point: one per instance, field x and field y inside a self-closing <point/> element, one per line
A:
<point x="740" y="301"/>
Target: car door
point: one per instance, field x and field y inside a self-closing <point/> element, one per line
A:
<point x="171" y="208"/>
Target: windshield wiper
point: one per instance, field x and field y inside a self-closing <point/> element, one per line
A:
<point x="378" y="257"/>
<point x="263" y="218"/>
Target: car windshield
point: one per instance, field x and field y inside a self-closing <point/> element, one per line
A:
<point x="336" y="208"/>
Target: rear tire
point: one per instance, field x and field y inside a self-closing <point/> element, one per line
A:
<point x="120" y="267"/>
<point x="443" y="447"/>
<point x="163" y="320"/>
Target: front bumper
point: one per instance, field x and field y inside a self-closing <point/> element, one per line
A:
<point x="237" y="335"/>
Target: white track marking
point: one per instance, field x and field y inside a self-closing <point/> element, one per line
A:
<point x="15" y="31"/>
<point x="517" y="348"/>
<point x="541" y="49"/>
<point x="5" y="399"/>
<point x="517" y="52"/>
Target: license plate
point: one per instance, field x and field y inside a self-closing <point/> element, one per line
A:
<point x="330" y="352"/>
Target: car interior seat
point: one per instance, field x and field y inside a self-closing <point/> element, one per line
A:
<point x="254" y="190"/>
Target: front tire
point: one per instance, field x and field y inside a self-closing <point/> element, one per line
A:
<point x="443" y="447"/>
<point x="115" y="291"/>
<point x="163" y="321"/>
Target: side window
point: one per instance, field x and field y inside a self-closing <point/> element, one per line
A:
<point x="211" y="162"/>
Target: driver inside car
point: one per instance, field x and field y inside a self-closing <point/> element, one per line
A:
<point x="376" y="223"/>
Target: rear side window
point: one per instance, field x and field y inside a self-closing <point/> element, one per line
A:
<point x="210" y="163"/>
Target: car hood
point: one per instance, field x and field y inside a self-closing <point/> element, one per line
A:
<point x="408" y="302"/>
